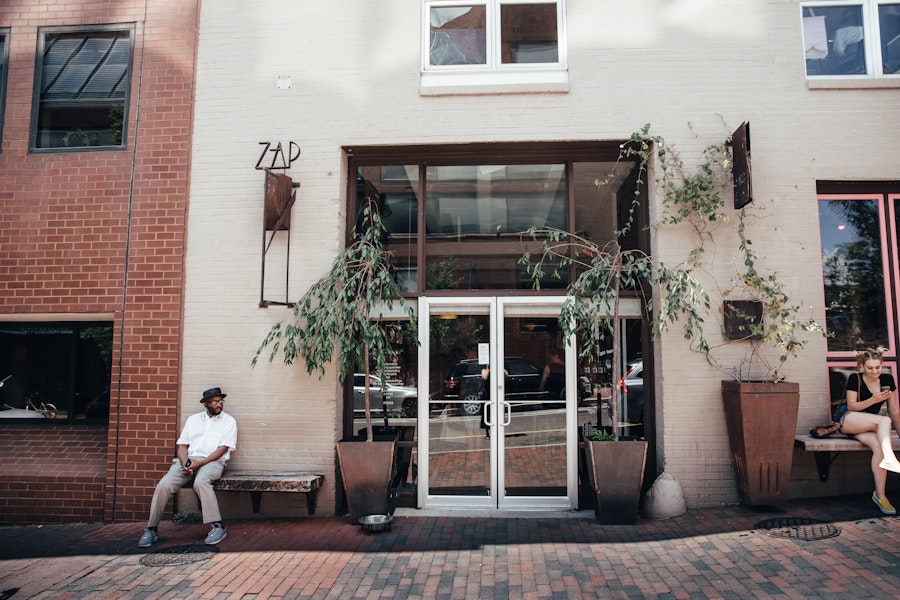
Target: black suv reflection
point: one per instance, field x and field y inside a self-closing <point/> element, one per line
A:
<point x="522" y="383"/>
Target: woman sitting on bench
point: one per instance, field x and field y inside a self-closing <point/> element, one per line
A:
<point x="866" y="392"/>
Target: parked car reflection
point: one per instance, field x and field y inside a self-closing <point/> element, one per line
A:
<point x="632" y="387"/>
<point x="524" y="384"/>
<point x="398" y="401"/>
<point x="8" y="412"/>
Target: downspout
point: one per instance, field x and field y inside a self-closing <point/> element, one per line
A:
<point x="137" y="120"/>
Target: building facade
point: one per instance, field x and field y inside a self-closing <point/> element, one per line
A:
<point x="468" y="123"/>
<point x="97" y="116"/>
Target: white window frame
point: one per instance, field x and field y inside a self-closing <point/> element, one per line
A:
<point x="493" y="77"/>
<point x="873" y="77"/>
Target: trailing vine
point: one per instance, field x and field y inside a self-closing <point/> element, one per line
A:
<point x="696" y="198"/>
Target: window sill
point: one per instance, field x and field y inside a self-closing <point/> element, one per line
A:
<point x="852" y="84"/>
<point x="520" y="81"/>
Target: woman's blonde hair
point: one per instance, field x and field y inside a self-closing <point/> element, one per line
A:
<point x="870" y="354"/>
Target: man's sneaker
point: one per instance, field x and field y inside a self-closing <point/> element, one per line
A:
<point x="890" y="465"/>
<point x="149" y="538"/>
<point x="216" y="535"/>
<point x="883" y="505"/>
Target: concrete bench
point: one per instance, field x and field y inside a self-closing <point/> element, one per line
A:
<point x="826" y="450"/>
<point x="257" y="482"/>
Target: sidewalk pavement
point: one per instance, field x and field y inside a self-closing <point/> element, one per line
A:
<point x="722" y="552"/>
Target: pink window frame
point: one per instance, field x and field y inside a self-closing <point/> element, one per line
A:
<point x="889" y="256"/>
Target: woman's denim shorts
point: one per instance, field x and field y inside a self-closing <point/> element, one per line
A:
<point x="841" y="413"/>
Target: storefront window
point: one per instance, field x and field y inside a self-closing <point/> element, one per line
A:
<point x="457" y="225"/>
<point x="475" y="217"/>
<point x="55" y="372"/>
<point x="395" y="187"/>
<point x="854" y="273"/>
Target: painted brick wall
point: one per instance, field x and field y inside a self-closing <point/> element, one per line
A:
<point x="70" y="218"/>
<point x="693" y="71"/>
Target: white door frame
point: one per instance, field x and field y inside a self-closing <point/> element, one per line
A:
<point x="496" y="307"/>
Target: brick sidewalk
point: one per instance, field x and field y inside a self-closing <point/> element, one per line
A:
<point x="709" y="553"/>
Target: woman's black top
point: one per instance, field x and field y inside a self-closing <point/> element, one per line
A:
<point x="854" y="382"/>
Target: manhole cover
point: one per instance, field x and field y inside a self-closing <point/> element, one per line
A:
<point x="796" y="528"/>
<point x="179" y="555"/>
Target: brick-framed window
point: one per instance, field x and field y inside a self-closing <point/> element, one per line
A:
<point x="58" y="367"/>
<point x="4" y="60"/>
<point x="81" y="89"/>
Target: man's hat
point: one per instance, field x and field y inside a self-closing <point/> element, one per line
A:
<point x="212" y="393"/>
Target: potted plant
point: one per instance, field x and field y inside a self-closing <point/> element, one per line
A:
<point x="341" y="313"/>
<point x="761" y="408"/>
<point x="757" y="314"/>
<point x="615" y="471"/>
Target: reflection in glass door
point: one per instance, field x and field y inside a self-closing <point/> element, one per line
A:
<point x="501" y="412"/>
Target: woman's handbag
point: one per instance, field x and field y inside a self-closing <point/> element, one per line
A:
<point x="828" y="429"/>
<point x="824" y="431"/>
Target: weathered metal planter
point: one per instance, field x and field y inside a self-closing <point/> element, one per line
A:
<point x="616" y="473"/>
<point x="762" y="419"/>
<point x="366" y="472"/>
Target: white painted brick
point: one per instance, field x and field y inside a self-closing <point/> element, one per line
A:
<point x="694" y="71"/>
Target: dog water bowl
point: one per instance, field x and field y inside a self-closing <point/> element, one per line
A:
<point x="376" y="523"/>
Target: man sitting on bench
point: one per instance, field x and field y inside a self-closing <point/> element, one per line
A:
<point x="204" y="446"/>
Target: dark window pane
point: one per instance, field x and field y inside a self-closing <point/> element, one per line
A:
<point x="855" y="309"/>
<point x="395" y="187"/>
<point x="889" y="30"/>
<point x="833" y="39"/>
<point x="475" y="216"/>
<point x="67" y="365"/>
<point x="528" y="33"/>
<point x="84" y="87"/>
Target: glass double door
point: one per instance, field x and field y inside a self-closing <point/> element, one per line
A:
<point x="498" y="430"/>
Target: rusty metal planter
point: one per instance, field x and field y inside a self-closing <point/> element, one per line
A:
<point x="366" y="472"/>
<point x="762" y="420"/>
<point x="616" y="474"/>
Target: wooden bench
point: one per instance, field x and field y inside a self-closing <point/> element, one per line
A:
<point x="826" y="450"/>
<point x="257" y="482"/>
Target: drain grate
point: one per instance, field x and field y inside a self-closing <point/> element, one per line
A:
<point x="798" y="528"/>
<point x="179" y="555"/>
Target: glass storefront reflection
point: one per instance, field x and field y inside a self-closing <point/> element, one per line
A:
<point x="853" y="270"/>
<point x="476" y="215"/>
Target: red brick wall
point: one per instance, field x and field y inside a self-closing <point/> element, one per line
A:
<point x="52" y="475"/>
<point x="65" y="232"/>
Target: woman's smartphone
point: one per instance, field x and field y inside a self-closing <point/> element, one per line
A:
<point x="885" y="388"/>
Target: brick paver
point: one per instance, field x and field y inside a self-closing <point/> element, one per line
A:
<point x="710" y="553"/>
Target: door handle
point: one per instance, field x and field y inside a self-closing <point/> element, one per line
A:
<point x="487" y="414"/>
<point x="507" y="413"/>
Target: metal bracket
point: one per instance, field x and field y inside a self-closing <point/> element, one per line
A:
<point x="279" y="196"/>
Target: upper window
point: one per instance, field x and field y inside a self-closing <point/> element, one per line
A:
<point x="852" y="39"/>
<point x="493" y="42"/>
<point x="4" y="57"/>
<point x="81" y="88"/>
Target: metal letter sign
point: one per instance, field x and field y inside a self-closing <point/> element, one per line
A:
<point x="740" y="154"/>
<point x="279" y="160"/>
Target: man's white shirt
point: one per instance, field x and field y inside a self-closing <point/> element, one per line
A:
<point x="204" y="434"/>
